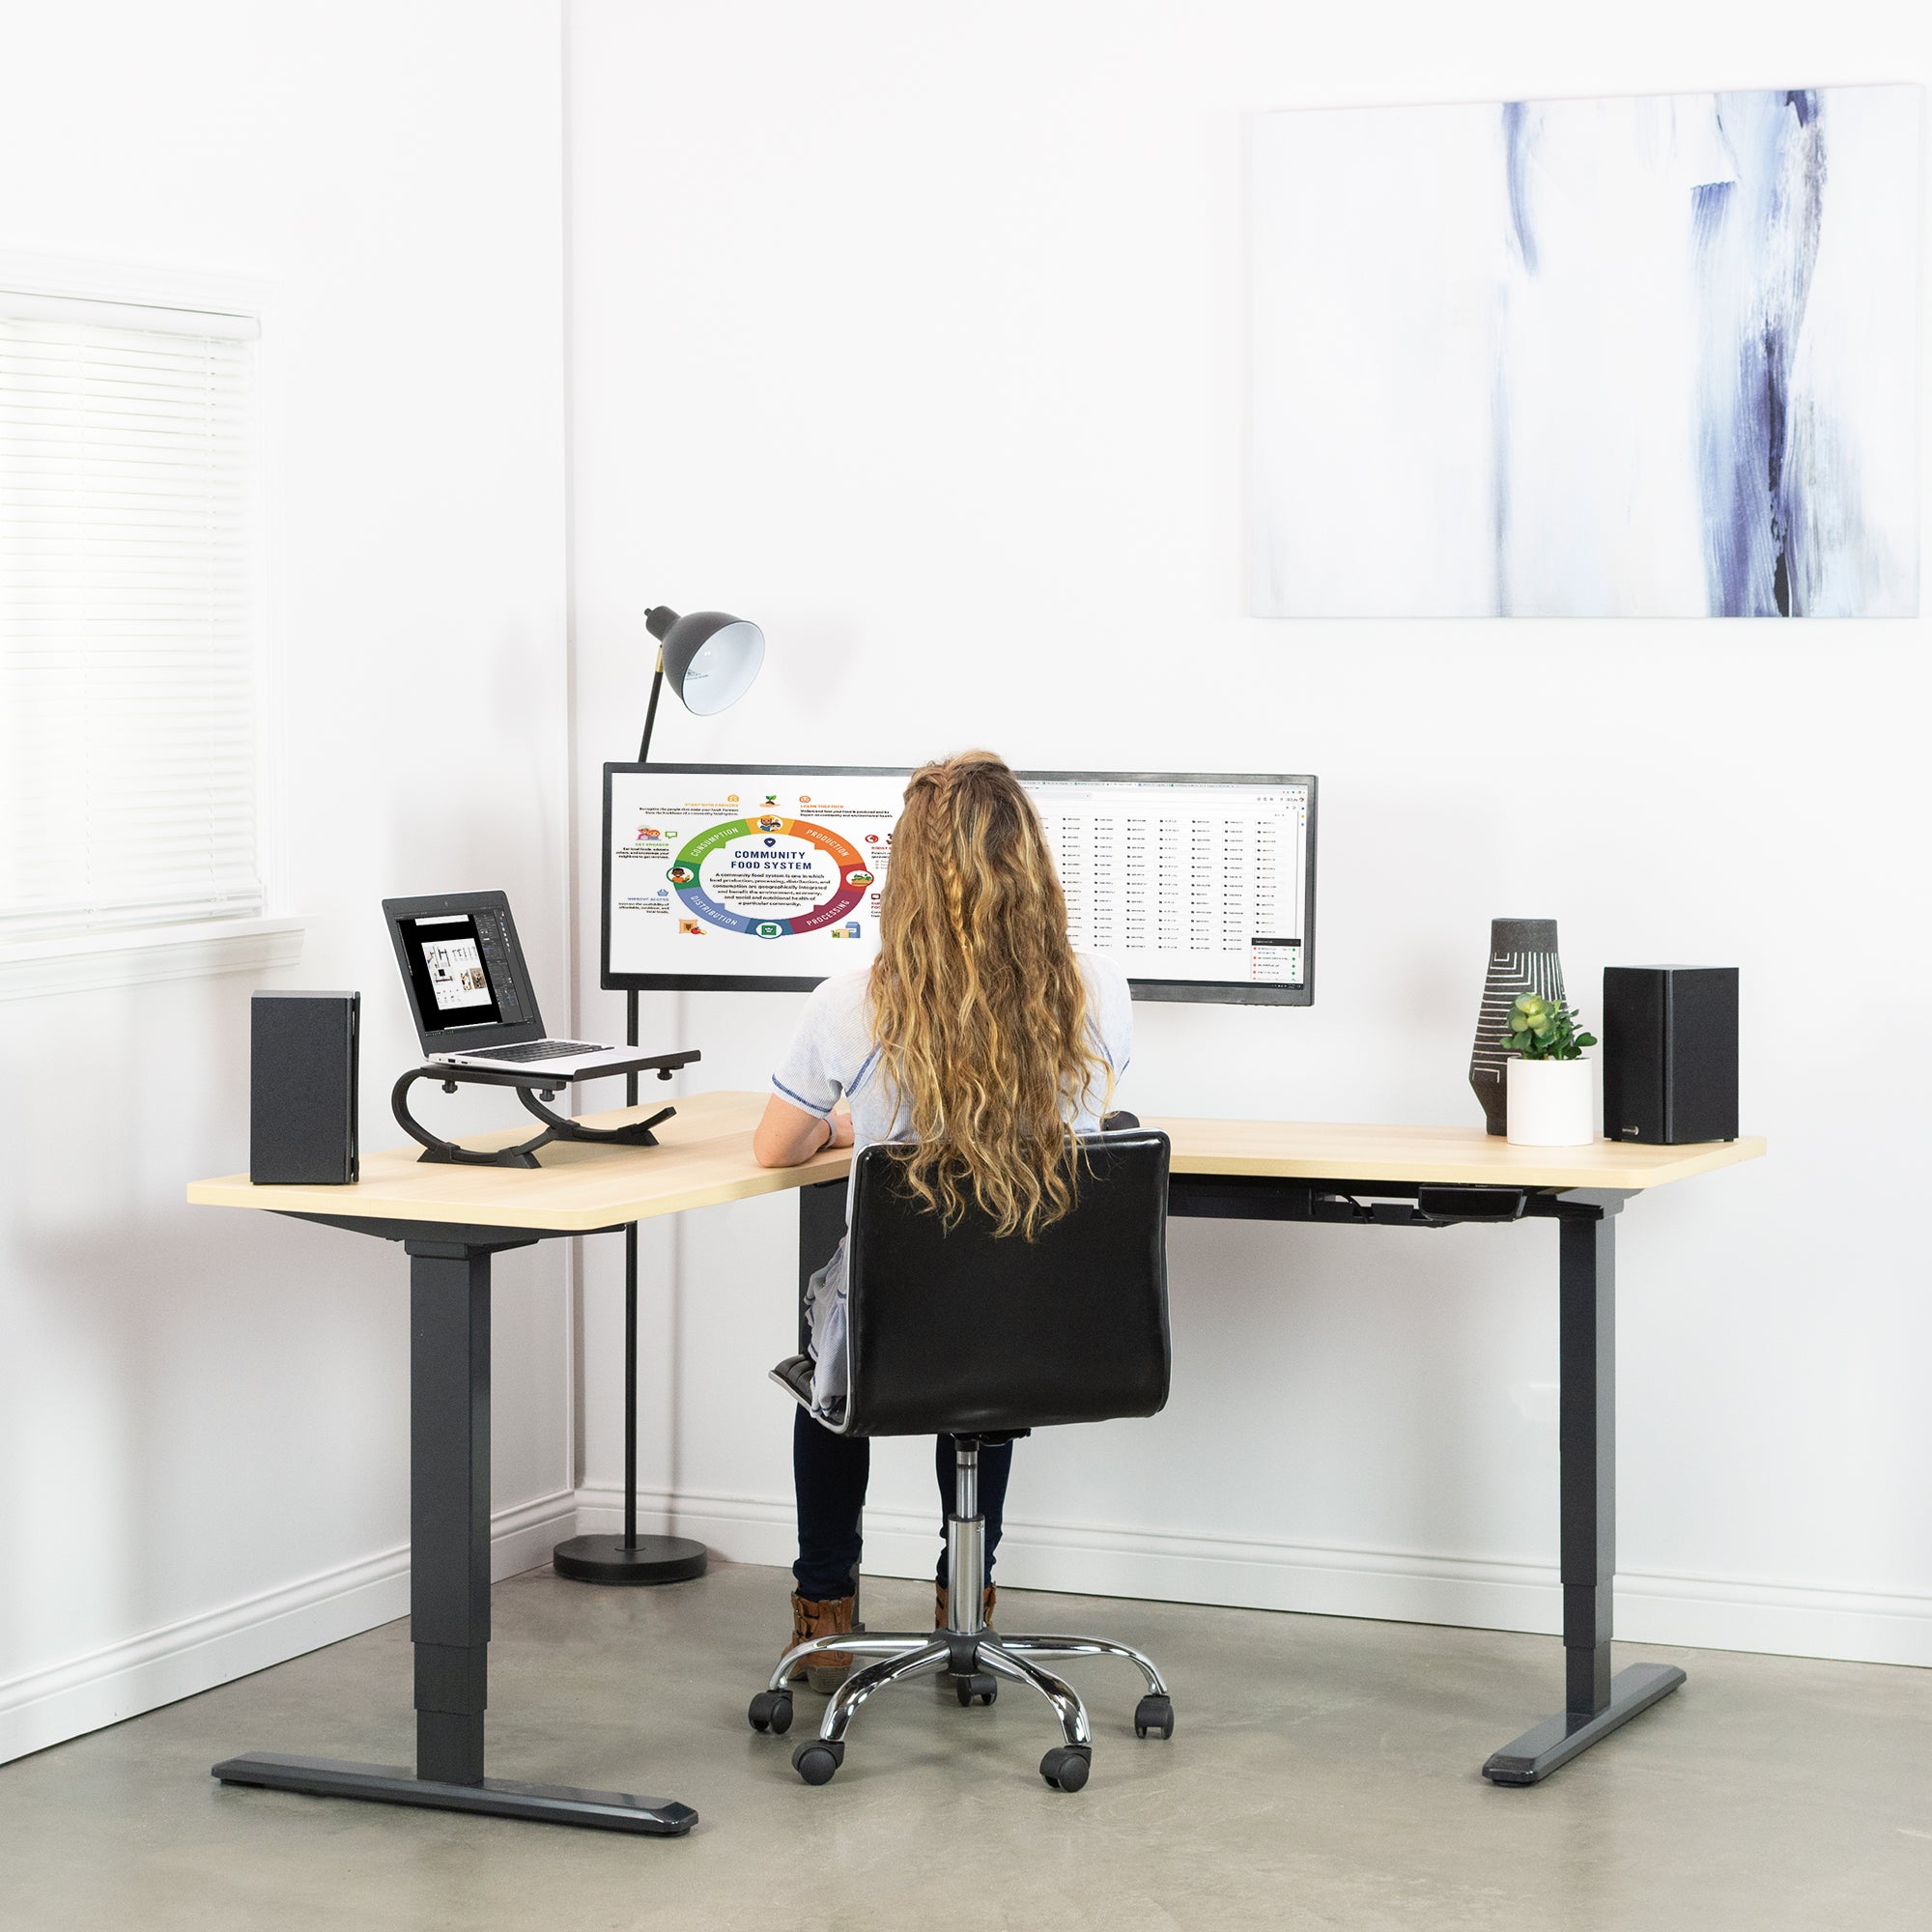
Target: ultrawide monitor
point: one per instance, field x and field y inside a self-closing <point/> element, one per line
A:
<point x="767" y="877"/>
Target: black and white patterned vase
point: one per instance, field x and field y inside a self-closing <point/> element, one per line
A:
<point x="1522" y="959"/>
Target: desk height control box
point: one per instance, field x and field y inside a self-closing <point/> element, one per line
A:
<point x="302" y="1053"/>
<point x="1670" y="1054"/>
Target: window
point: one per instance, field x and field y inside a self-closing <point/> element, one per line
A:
<point x="128" y="712"/>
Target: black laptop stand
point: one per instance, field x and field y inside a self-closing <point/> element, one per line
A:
<point x="533" y="1089"/>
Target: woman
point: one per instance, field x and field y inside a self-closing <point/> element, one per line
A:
<point x="981" y="1039"/>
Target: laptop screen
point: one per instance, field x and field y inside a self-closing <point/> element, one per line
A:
<point x="452" y="976"/>
<point x="463" y="970"/>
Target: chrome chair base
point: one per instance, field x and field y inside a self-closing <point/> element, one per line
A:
<point x="969" y="1649"/>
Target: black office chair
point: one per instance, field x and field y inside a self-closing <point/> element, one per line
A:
<point x="986" y="1339"/>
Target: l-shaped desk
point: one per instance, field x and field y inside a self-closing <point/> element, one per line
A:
<point x="451" y="1220"/>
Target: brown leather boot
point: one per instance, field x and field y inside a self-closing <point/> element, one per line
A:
<point x="823" y="1669"/>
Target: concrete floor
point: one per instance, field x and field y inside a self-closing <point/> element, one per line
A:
<point x="1322" y="1773"/>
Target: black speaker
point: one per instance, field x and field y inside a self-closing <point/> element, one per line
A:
<point x="302" y="1087"/>
<point x="1670" y="1054"/>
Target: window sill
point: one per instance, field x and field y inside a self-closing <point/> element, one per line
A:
<point x="89" y="961"/>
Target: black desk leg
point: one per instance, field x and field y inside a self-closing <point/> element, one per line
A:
<point x="449" y="1585"/>
<point x="1595" y="1703"/>
<point x="450" y="1508"/>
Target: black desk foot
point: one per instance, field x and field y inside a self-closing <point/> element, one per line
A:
<point x="1557" y="1740"/>
<point x="653" y="1559"/>
<point x="498" y="1797"/>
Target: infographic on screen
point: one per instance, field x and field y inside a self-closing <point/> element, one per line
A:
<point x="748" y="874"/>
<point x="1193" y="881"/>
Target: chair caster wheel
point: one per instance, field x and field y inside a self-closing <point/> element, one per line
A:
<point x="980" y="1688"/>
<point x="1066" y="1766"/>
<point x="815" y="1760"/>
<point x="1153" y="1714"/>
<point x="771" y="1710"/>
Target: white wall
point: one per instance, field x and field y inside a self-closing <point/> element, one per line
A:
<point x="919" y="336"/>
<point x="920" y="340"/>
<point x="202" y="1417"/>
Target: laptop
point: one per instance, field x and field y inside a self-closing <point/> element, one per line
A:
<point x="471" y="994"/>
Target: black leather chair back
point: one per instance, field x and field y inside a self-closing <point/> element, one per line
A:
<point x="969" y="1333"/>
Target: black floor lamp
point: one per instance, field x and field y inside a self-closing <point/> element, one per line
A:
<point x="710" y="660"/>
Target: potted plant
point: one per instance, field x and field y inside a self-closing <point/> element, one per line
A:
<point x="1551" y="1096"/>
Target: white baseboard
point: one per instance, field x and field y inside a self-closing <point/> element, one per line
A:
<point x="1704" y="1613"/>
<point x="46" y="1707"/>
<point x="64" y="1700"/>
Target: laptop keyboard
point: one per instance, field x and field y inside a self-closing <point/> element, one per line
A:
<point x="542" y="1049"/>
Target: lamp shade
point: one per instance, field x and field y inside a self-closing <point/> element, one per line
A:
<point x="709" y="658"/>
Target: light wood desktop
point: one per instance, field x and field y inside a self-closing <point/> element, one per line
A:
<point x="705" y="1158"/>
<point x="450" y="1220"/>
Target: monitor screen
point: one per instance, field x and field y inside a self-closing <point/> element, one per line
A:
<point x="1200" y="885"/>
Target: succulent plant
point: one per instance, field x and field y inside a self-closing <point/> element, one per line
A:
<point x="1545" y="1029"/>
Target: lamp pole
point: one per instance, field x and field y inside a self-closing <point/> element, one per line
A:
<point x="644" y="750"/>
<point x="630" y="1033"/>
<point x="631" y="1558"/>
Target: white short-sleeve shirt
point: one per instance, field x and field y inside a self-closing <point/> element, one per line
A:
<point x="834" y="1055"/>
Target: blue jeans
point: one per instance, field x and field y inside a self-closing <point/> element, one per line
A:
<point x="830" y="1472"/>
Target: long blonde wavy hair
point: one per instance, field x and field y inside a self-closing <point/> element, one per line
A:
<point x="977" y="1002"/>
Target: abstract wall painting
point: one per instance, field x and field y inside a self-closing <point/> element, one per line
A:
<point x="1656" y="357"/>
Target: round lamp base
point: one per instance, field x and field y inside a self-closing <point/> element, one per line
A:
<point x="604" y="1559"/>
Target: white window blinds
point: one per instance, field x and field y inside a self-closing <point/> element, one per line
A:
<point x="127" y="616"/>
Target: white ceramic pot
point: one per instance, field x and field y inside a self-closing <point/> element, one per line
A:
<point x="1551" y="1103"/>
